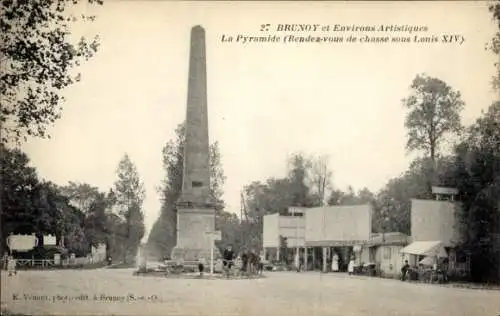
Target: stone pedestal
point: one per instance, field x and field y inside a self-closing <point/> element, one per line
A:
<point x="193" y="239"/>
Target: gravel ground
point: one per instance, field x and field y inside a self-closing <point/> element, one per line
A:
<point x="118" y="292"/>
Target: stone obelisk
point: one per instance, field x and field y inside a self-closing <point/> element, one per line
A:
<point x="195" y="210"/>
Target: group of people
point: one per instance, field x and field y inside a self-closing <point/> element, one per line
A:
<point x="335" y="266"/>
<point x="436" y="272"/>
<point x="247" y="262"/>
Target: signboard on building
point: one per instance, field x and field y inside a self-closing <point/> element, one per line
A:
<point x="444" y="190"/>
<point x="22" y="242"/>
<point x="49" y="240"/>
<point x="338" y="225"/>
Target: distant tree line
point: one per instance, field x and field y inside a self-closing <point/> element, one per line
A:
<point x="78" y="214"/>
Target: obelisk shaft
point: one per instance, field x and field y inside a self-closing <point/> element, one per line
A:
<point x="195" y="210"/>
<point x="196" y="175"/>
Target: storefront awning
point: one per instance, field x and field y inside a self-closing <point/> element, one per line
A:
<point x="426" y="248"/>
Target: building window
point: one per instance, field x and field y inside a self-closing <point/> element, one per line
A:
<point x="387" y="253"/>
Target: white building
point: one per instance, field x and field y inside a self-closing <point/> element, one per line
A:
<point x="434" y="231"/>
<point x="314" y="232"/>
<point x="290" y="227"/>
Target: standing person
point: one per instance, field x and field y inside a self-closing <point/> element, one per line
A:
<point x="404" y="270"/>
<point x="297" y="262"/>
<point x="335" y="263"/>
<point x="227" y="261"/>
<point x="244" y="259"/>
<point x="201" y="266"/>
<point x="434" y="274"/>
<point x="250" y="262"/>
<point x="262" y="258"/>
<point x="5" y="260"/>
<point x="350" y="267"/>
<point x="11" y="265"/>
<point x="254" y="262"/>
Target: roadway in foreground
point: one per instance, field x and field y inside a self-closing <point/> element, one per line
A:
<point x="118" y="292"/>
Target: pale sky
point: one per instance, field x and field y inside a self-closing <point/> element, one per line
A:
<point x="265" y="100"/>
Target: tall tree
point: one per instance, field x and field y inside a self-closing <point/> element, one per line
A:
<point x="96" y="206"/>
<point x="17" y="192"/>
<point x="37" y="61"/>
<point x="130" y="193"/>
<point x="478" y="180"/>
<point x="115" y="235"/>
<point x="434" y="112"/>
<point x="217" y="177"/>
<point x="320" y="177"/>
<point x="299" y="166"/>
<point x="96" y="224"/>
<point x="273" y="196"/>
<point x="163" y="235"/>
<point x="65" y="220"/>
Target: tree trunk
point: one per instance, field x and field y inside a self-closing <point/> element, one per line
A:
<point x="433" y="151"/>
<point x="433" y="180"/>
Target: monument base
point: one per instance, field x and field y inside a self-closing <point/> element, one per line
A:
<point x="194" y="239"/>
<point x="187" y="254"/>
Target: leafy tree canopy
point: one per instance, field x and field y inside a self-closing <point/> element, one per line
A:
<point x="434" y="112"/>
<point x="38" y="55"/>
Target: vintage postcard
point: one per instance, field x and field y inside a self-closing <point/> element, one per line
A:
<point x="250" y="158"/>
